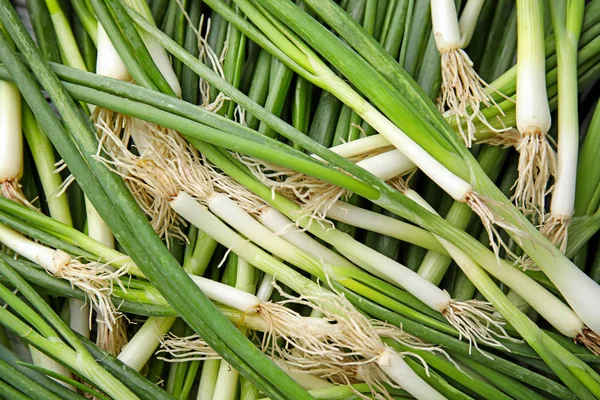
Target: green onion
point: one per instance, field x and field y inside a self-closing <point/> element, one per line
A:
<point x="562" y="207"/>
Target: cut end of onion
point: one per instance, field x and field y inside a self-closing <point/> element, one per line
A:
<point x="475" y="321"/>
<point x="463" y="93"/>
<point x="590" y="340"/>
<point x="537" y="165"/>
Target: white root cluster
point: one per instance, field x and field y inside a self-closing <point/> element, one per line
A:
<point x="96" y="280"/>
<point x="463" y="94"/>
<point x="556" y="229"/>
<point x="166" y="164"/>
<point x="537" y="167"/>
<point x="112" y="340"/>
<point x="11" y="189"/>
<point x="590" y="340"/>
<point x="185" y="348"/>
<point x="343" y="346"/>
<point x="313" y="195"/>
<point x="490" y="221"/>
<point x="476" y="321"/>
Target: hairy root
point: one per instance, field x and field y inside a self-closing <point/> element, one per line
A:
<point x="537" y="165"/>
<point x="463" y="93"/>
<point x="187" y="348"/>
<point x="314" y="196"/>
<point x="475" y="321"/>
<point x="490" y="221"/>
<point x="11" y="189"/>
<point x="556" y="230"/>
<point x="167" y="165"/>
<point x="113" y="340"/>
<point x="96" y="280"/>
<point x="590" y="340"/>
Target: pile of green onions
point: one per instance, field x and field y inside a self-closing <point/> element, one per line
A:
<point x="261" y="199"/>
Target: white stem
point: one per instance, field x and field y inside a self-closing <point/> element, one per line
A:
<point x="442" y="176"/>
<point x="446" y="30"/>
<point x="142" y="345"/>
<point x="359" y="146"/>
<point x="265" y="289"/>
<point x="108" y="62"/>
<point x="563" y="197"/>
<point x="468" y="21"/>
<point x="208" y="379"/>
<point x="387" y="165"/>
<point x="283" y="226"/>
<point x="46" y="257"/>
<point x="97" y="228"/>
<point x="163" y="62"/>
<point x="380" y="223"/>
<point x="401" y="373"/>
<point x="304" y="379"/>
<point x="380" y="265"/>
<point x="79" y="317"/>
<point x="227" y="381"/>
<point x="200" y="217"/>
<point x="11" y="136"/>
<point x="227" y="295"/>
<point x="228" y="210"/>
<point x="533" y="111"/>
<point x="42" y="360"/>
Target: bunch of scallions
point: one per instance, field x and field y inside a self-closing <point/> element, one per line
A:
<point x="308" y="199"/>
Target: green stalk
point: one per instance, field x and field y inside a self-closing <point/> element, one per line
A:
<point x="87" y="18"/>
<point x="47" y="340"/>
<point x="44" y="32"/>
<point x="259" y="85"/>
<point x="233" y="64"/>
<point x="189" y="80"/>
<point x="301" y="105"/>
<point x="131" y="226"/>
<point x="280" y="80"/>
<point x="72" y="382"/>
<point x="37" y="380"/>
<point x="8" y="392"/>
<point x="43" y="155"/>
<point x="451" y="344"/>
<point x="510" y="386"/>
<point x="136" y="382"/>
<point x="323" y="124"/>
<point x="66" y="39"/>
<point x="314" y="69"/>
<point x="536" y="246"/>
<point x="440" y="364"/>
<point x="588" y="177"/>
